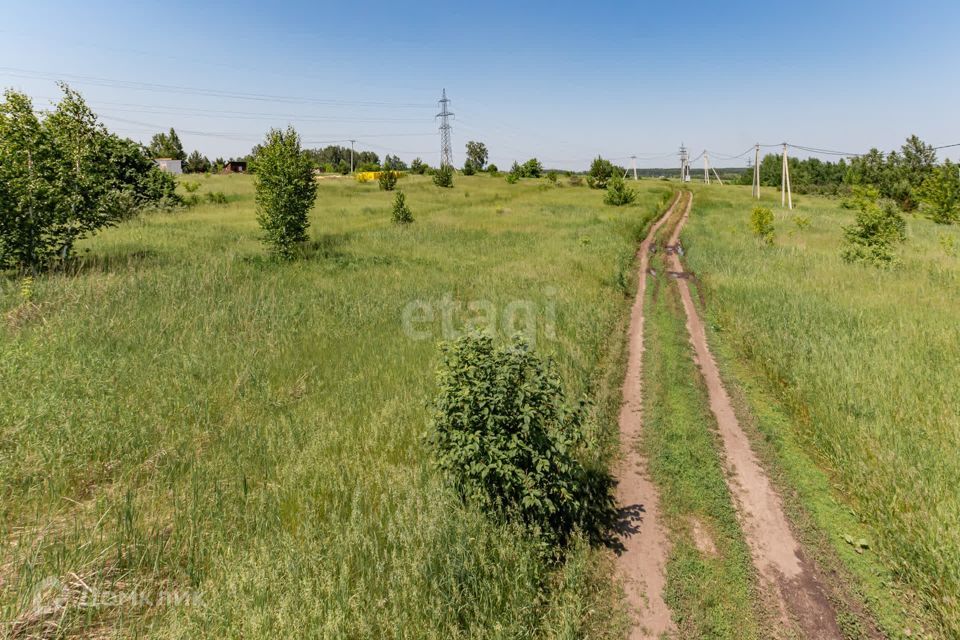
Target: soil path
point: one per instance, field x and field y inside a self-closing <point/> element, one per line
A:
<point x="643" y="545"/>
<point x="788" y="577"/>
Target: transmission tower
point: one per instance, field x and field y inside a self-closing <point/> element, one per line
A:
<point x="684" y="164"/>
<point x="446" y="152"/>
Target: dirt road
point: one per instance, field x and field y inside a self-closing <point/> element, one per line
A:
<point x="789" y="579"/>
<point x="642" y="555"/>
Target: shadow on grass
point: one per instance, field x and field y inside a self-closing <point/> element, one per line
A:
<point x="94" y="263"/>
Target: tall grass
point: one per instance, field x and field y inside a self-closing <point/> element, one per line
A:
<point x="182" y="414"/>
<point x="867" y="362"/>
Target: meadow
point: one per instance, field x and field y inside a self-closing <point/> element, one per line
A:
<point x="237" y="442"/>
<point x="863" y="366"/>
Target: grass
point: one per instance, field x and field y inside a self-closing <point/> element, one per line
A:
<point x="864" y="365"/>
<point x="185" y="418"/>
<point x="711" y="585"/>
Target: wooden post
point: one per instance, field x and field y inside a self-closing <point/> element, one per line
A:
<point x="756" y="172"/>
<point x="786" y="197"/>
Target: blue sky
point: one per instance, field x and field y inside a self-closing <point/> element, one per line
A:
<point x="560" y="81"/>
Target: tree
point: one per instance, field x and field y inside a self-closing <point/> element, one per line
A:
<point x="64" y="177"/>
<point x="761" y="222"/>
<point x="531" y="168"/>
<point x="600" y="172"/>
<point x="443" y="176"/>
<point x="877" y="230"/>
<point x="167" y="145"/>
<point x="197" y="163"/>
<point x="468" y="169"/>
<point x="418" y="167"/>
<point x="285" y="191"/>
<point x="394" y="163"/>
<point x="940" y="194"/>
<point x="387" y="180"/>
<point x="401" y="213"/>
<point x="492" y="169"/>
<point x="477" y="154"/>
<point x="618" y="193"/>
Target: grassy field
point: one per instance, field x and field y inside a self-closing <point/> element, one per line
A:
<point x="236" y="442"/>
<point x="864" y="366"/>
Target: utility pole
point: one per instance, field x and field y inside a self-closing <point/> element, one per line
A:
<point x="446" y="153"/>
<point x="785" y="196"/>
<point x="351" y="155"/>
<point x="684" y="164"/>
<point x="756" y="172"/>
<point x="634" y="158"/>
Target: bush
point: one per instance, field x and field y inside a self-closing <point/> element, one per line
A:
<point x="531" y="169"/>
<point x="387" y="180"/>
<point x="492" y="168"/>
<point x="600" y="173"/>
<point x="503" y="432"/>
<point x="618" y="193"/>
<point x="876" y="231"/>
<point x="443" y="176"/>
<point x="575" y="180"/>
<point x="468" y="169"/>
<point x="217" y="197"/>
<point x="552" y="177"/>
<point x="802" y="222"/>
<point x="761" y="222"/>
<point x="418" y="167"/>
<point x="401" y="213"/>
<point x="285" y="191"/>
<point x="513" y="178"/>
<point x="940" y="194"/>
<point x="64" y="177"/>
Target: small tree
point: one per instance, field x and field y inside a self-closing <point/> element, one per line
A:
<point x="477" y="154"/>
<point x="531" y="169"/>
<point x="940" y="194"/>
<point x="876" y="232"/>
<point x="761" y="222"/>
<point x="197" y="163"/>
<point x="468" y="168"/>
<point x="167" y="145"/>
<point x="443" y="177"/>
<point x="401" y="213"/>
<point x="618" y="193"/>
<point x="418" y="167"/>
<point x="492" y="169"/>
<point x="387" y="180"/>
<point x="504" y="434"/>
<point x="552" y="176"/>
<point x="285" y="191"/>
<point x="600" y="173"/>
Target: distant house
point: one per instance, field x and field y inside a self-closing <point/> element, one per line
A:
<point x="170" y="165"/>
<point x="234" y="167"/>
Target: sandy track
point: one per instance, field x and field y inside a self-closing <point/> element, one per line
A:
<point x="788" y="578"/>
<point x="642" y="555"/>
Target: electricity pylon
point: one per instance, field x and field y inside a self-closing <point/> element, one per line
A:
<point x="446" y="152"/>
<point x="785" y="196"/>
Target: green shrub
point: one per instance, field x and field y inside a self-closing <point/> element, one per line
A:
<point x="618" y="193"/>
<point x="418" y="167"/>
<point x="552" y="176"/>
<point x="401" y="213"/>
<point x="531" y="169"/>
<point x="492" y="168"/>
<point x="802" y="222"/>
<point x="190" y="186"/>
<point x="513" y="178"/>
<point x="575" y="180"/>
<point x="504" y="434"/>
<point x="285" y="191"/>
<point x="217" y="197"/>
<point x="940" y="194"/>
<point x="468" y="168"/>
<point x="877" y="230"/>
<point x="387" y="180"/>
<point x="600" y="173"/>
<point x="761" y="222"/>
<point x="443" y="176"/>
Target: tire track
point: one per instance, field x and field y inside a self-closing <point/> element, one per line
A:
<point x="642" y="542"/>
<point x="788" y="577"/>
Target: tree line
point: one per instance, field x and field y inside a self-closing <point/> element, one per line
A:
<point x="911" y="177"/>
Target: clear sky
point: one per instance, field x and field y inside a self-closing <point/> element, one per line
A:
<point x="560" y="81"/>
